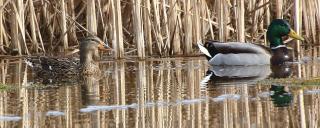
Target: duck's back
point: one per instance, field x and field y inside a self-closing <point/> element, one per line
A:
<point x="53" y="66"/>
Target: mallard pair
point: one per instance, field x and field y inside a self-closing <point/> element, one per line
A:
<point x="237" y="53"/>
<point x="66" y="67"/>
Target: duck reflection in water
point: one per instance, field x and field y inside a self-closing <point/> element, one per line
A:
<point x="89" y="89"/>
<point x="280" y="96"/>
<point x="246" y="74"/>
<point x="237" y="74"/>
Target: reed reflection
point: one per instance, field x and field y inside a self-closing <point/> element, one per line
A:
<point x="155" y="93"/>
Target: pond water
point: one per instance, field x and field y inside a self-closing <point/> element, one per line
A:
<point x="173" y="92"/>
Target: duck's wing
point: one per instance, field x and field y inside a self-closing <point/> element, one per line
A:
<point x="240" y="59"/>
<point x="212" y="48"/>
<point x="236" y="48"/>
<point x="235" y="53"/>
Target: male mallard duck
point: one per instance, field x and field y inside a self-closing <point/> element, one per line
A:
<point x="236" y="53"/>
<point x="55" y="67"/>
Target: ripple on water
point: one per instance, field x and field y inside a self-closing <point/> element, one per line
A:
<point x="10" y="118"/>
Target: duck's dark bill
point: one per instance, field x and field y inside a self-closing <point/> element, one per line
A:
<point x="294" y="35"/>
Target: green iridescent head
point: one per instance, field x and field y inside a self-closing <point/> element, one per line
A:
<point x="279" y="28"/>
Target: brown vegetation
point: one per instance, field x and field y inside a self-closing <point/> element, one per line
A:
<point x="146" y="28"/>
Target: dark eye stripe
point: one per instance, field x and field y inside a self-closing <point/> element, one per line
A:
<point x="95" y="39"/>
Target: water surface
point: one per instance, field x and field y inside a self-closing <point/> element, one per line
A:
<point x="173" y="92"/>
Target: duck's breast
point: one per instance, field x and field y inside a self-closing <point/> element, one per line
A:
<point x="240" y="59"/>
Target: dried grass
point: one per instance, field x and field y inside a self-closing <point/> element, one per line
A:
<point x="147" y="28"/>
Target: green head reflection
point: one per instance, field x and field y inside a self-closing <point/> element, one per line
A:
<point x="280" y="97"/>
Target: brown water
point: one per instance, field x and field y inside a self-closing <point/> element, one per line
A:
<point x="160" y="93"/>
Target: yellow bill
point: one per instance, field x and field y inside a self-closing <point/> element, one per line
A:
<point x="294" y="35"/>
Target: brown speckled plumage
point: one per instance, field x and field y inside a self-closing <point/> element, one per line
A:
<point x="65" y="68"/>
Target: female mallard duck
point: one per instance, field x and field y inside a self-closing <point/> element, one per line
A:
<point x="236" y="53"/>
<point x="50" y="66"/>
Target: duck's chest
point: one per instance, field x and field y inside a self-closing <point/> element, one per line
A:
<point x="88" y="69"/>
<point x="281" y="55"/>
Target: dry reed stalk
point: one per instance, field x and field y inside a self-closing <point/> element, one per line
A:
<point x="279" y="5"/>
<point x="20" y="10"/>
<point x="1" y="30"/>
<point x="147" y="26"/>
<point x="15" y="43"/>
<point x="117" y="34"/>
<point x="209" y="23"/>
<point x="227" y="18"/>
<point x="267" y="10"/>
<point x="32" y="18"/>
<point x="157" y="28"/>
<point x="99" y="18"/>
<point x="317" y="8"/>
<point x="305" y="15"/>
<point x="45" y="16"/>
<point x="240" y="21"/>
<point x="221" y="15"/>
<point x="205" y="28"/>
<point x="297" y="23"/>
<point x="91" y="17"/>
<point x="310" y="26"/>
<point x="167" y="46"/>
<point x="71" y="11"/>
<point x="174" y="27"/>
<point x="138" y="29"/>
<point x="63" y="17"/>
<point x="187" y="27"/>
<point x="195" y="21"/>
<point x="39" y="34"/>
<point x="255" y="19"/>
<point x="311" y="19"/>
<point x="17" y="28"/>
<point x="262" y="14"/>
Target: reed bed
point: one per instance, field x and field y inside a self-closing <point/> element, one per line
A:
<point x="145" y="28"/>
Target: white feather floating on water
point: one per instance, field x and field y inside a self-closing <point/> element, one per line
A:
<point x="203" y="49"/>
